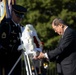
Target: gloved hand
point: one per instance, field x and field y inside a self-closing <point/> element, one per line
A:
<point x="20" y="47"/>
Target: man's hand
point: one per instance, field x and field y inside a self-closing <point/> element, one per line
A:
<point x="40" y="56"/>
<point x="20" y="47"/>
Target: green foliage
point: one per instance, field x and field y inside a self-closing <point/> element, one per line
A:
<point x="52" y="42"/>
<point x="42" y="12"/>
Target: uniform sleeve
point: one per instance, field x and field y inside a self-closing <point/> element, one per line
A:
<point x="4" y="34"/>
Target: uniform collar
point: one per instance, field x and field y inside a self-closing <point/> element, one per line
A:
<point x="15" y="23"/>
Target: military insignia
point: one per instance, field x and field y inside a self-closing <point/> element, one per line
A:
<point x="3" y="35"/>
<point x="13" y="32"/>
<point x="10" y="45"/>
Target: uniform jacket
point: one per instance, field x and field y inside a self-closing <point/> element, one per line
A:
<point x="65" y="53"/>
<point x="9" y="42"/>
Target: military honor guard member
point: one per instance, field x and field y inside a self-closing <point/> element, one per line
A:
<point x="10" y="33"/>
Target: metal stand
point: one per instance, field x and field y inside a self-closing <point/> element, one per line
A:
<point x="27" y="64"/>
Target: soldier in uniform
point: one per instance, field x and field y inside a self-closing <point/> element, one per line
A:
<point x="10" y="33"/>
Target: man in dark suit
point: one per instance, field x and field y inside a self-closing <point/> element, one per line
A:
<point x="65" y="52"/>
<point x="10" y="33"/>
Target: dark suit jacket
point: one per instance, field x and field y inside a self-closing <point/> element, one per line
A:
<point x="65" y="53"/>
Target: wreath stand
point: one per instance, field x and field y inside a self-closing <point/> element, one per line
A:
<point x="26" y="63"/>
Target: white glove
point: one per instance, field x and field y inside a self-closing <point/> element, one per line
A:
<point x="20" y="47"/>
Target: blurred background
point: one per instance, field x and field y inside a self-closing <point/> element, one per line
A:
<point x="41" y="13"/>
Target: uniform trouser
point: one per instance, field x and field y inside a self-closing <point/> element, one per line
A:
<point x="17" y="70"/>
<point x="5" y="69"/>
<point x="1" y="70"/>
